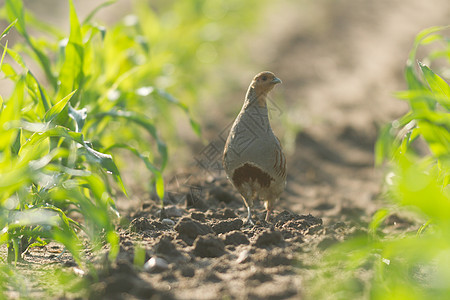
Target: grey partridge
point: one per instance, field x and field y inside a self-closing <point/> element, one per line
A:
<point x="253" y="159"/>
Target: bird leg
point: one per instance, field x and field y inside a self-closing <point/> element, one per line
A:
<point x="249" y="217"/>
<point x="269" y="208"/>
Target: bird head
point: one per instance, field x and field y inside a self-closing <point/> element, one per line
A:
<point x="264" y="82"/>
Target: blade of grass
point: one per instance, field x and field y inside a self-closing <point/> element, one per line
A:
<point x="96" y="9"/>
<point x="3" y="55"/>
<point x="57" y="108"/>
<point x="15" y="11"/>
<point x="7" y="29"/>
<point x="159" y="181"/>
<point x="145" y="123"/>
<point x="71" y="75"/>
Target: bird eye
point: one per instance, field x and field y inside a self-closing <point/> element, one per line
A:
<point x="264" y="78"/>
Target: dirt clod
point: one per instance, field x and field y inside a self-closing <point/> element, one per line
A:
<point x="260" y="276"/>
<point x="199" y="216"/>
<point x="165" y="247"/>
<point x="209" y="246"/>
<point x="187" y="271"/>
<point x="222" y="214"/>
<point x="141" y="224"/>
<point x="227" y="226"/>
<point x="122" y="279"/>
<point x="236" y="238"/>
<point x="327" y="242"/>
<point x="269" y="238"/>
<point x="273" y="258"/>
<point x="189" y="229"/>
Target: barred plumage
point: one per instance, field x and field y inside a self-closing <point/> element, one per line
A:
<point x="253" y="158"/>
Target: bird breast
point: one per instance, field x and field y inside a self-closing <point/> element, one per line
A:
<point x="251" y="140"/>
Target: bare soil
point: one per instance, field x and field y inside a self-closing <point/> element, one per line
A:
<point x="340" y="61"/>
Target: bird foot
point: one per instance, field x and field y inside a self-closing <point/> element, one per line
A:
<point x="267" y="219"/>
<point x="249" y="222"/>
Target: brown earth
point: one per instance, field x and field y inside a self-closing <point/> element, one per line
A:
<point x="340" y="61"/>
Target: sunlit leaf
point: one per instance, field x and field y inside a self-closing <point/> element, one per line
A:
<point x="377" y="219"/>
<point x="437" y="85"/>
<point x="96" y="9"/>
<point x="7" y="29"/>
<point x="71" y="75"/>
<point x="145" y="123"/>
<point x="159" y="181"/>
<point x="79" y="116"/>
<point x="15" y="11"/>
<point x="3" y="54"/>
<point x="57" y="108"/>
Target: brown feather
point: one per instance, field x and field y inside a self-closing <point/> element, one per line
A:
<point x="248" y="173"/>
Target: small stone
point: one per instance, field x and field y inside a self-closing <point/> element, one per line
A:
<point x="78" y="271"/>
<point x="243" y="256"/>
<point x="156" y="264"/>
<point x="168" y="222"/>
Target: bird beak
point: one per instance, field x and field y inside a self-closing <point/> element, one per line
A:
<point x="276" y="80"/>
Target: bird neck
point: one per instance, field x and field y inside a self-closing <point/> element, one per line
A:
<point x="254" y="113"/>
<point x="255" y="98"/>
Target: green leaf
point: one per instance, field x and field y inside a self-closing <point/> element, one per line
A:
<point x="114" y="240"/>
<point x="384" y="145"/>
<point x="195" y="126"/>
<point x="378" y="219"/>
<point x="37" y="24"/>
<point x="3" y="54"/>
<point x="95" y="10"/>
<point x="15" y="147"/>
<point x="79" y="116"/>
<point x="159" y="181"/>
<point x="71" y="75"/>
<point x="11" y="114"/>
<point x="165" y="95"/>
<point x="146" y="124"/>
<point x="436" y="83"/>
<point x="9" y="72"/>
<point x="7" y="29"/>
<point x="437" y="138"/>
<point x="139" y="256"/>
<point x="15" y="11"/>
<point x="104" y="160"/>
<point x="38" y="91"/>
<point x="422" y="36"/>
<point x="17" y="58"/>
<point x="57" y="108"/>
